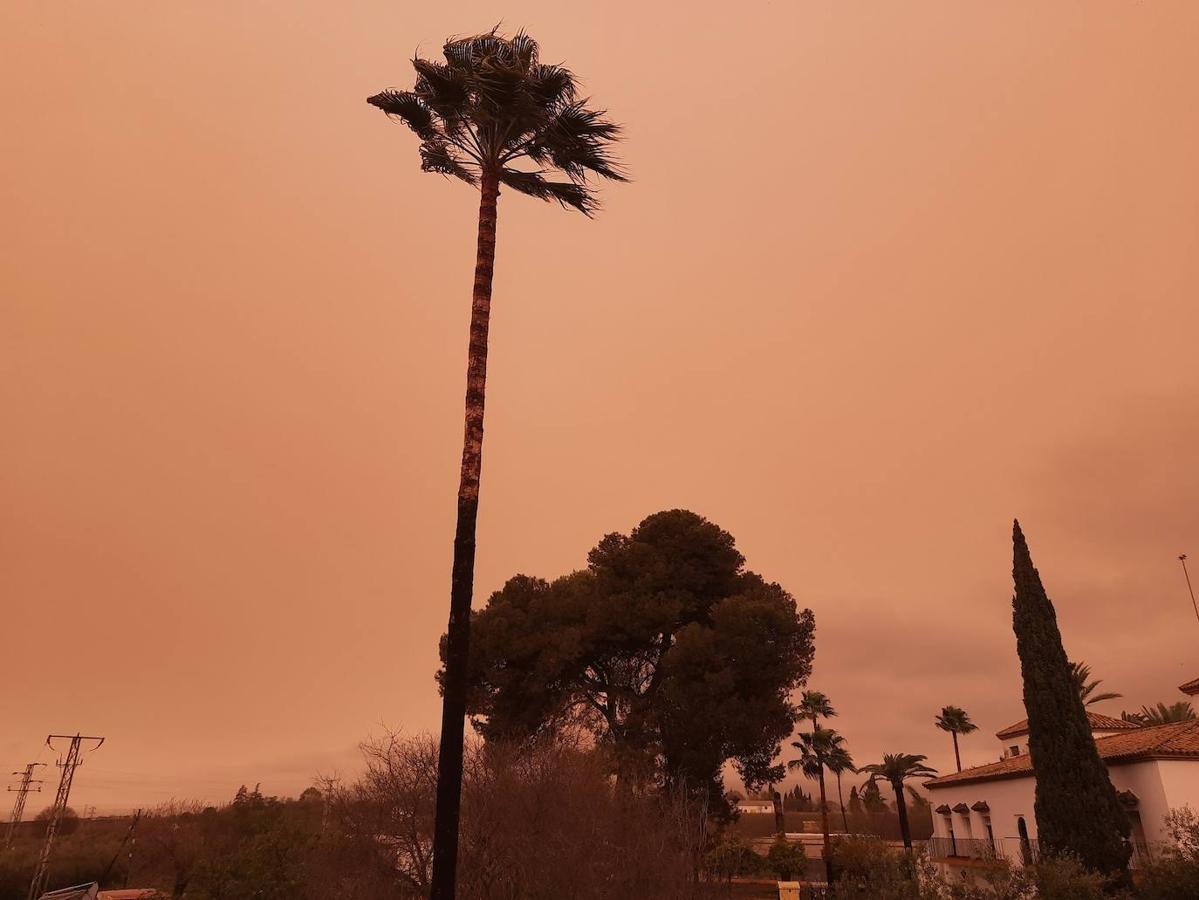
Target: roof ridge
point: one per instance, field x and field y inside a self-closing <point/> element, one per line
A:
<point x="1094" y="719"/>
<point x="1173" y="740"/>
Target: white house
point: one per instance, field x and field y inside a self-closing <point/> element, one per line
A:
<point x="755" y="806"/>
<point x="987" y="811"/>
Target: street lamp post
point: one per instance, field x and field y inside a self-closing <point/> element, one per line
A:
<point x="1187" y="575"/>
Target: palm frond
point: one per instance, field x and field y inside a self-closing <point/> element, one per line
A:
<point x="436" y="156"/>
<point x="566" y="193"/>
<point x="408" y="108"/>
<point x="1161" y="714"/>
<point x="525" y="50"/>
<point x="576" y="140"/>
<point x="444" y="89"/>
<point x="551" y="85"/>
<point x="468" y="52"/>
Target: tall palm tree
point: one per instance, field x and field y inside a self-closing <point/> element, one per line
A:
<point x="814" y="705"/>
<point x="1161" y="714"/>
<point x="896" y="768"/>
<point x="1081" y="673"/>
<point x="814" y="748"/>
<point x="838" y="761"/>
<point x="491" y="114"/>
<point x="955" y="720"/>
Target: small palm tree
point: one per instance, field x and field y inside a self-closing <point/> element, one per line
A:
<point x="839" y="761"/>
<point x="895" y="769"/>
<point x="491" y="114"/>
<point x="1081" y="673"/>
<point x="955" y="720"/>
<point x="814" y="748"/>
<point x="1161" y="714"/>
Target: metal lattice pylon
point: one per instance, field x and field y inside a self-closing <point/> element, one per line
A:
<point x="72" y="761"/>
<point x="18" y="807"/>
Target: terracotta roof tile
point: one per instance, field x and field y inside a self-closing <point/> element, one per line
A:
<point x="1098" y="722"/>
<point x="1177" y="741"/>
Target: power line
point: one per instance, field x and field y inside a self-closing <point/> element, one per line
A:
<point x="18" y="807"/>
<point x="72" y="762"/>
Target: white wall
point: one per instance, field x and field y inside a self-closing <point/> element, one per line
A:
<point x="1159" y="785"/>
<point x="1008" y="798"/>
<point x="1144" y="779"/>
<point x="1180" y="784"/>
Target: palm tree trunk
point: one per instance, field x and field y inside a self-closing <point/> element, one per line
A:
<point x="828" y="854"/>
<point x="956" y="755"/>
<point x="780" y="821"/>
<point x="901" y="807"/>
<point x="457" y="647"/>
<point x="841" y="801"/>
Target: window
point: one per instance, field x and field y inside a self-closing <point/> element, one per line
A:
<point x="1015" y="749"/>
<point x="1026" y="854"/>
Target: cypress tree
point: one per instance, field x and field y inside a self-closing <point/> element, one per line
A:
<point x="1076" y="806"/>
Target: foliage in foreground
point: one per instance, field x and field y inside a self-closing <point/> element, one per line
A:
<point x="542" y="824"/>
<point x="545" y="823"/>
<point x="869" y="870"/>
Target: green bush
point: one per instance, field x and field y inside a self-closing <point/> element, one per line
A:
<point x="1067" y="879"/>
<point x="1173" y="878"/>
<point x="867" y="869"/>
<point x="730" y="858"/>
<point x="788" y="861"/>
<point x="1176" y="875"/>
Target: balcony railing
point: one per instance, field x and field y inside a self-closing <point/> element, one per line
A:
<point x="1027" y="852"/>
<point x="961" y="848"/>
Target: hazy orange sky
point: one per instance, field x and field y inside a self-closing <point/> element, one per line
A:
<point x="889" y="275"/>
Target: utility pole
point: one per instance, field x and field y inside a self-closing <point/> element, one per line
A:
<point x="72" y="762"/>
<point x="18" y="807"/>
<point x="1187" y="575"/>
<point x="127" y="839"/>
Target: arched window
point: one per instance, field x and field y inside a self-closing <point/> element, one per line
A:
<point x="1025" y="843"/>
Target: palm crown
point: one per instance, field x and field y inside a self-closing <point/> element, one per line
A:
<point x="1161" y="714"/>
<point x="814" y="704"/>
<point x="897" y="768"/>
<point x="815" y="748"/>
<point x="955" y="720"/>
<point x="838" y="759"/>
<point x="493" y="106"/>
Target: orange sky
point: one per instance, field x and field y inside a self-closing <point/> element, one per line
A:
<point x="889" y="274"/>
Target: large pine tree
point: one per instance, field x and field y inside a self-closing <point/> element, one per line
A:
<point x="1076" y="807"/>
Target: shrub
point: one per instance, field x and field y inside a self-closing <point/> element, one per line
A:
<point x="786" y="860"/>
<point x="867" y="869"/>
<point x="731" y="857"/>
<point x="1065" y="878"/>
<point x="1176" y="875"/>
<point x="538" y="823"/>
<point x="1172" y="878"/>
